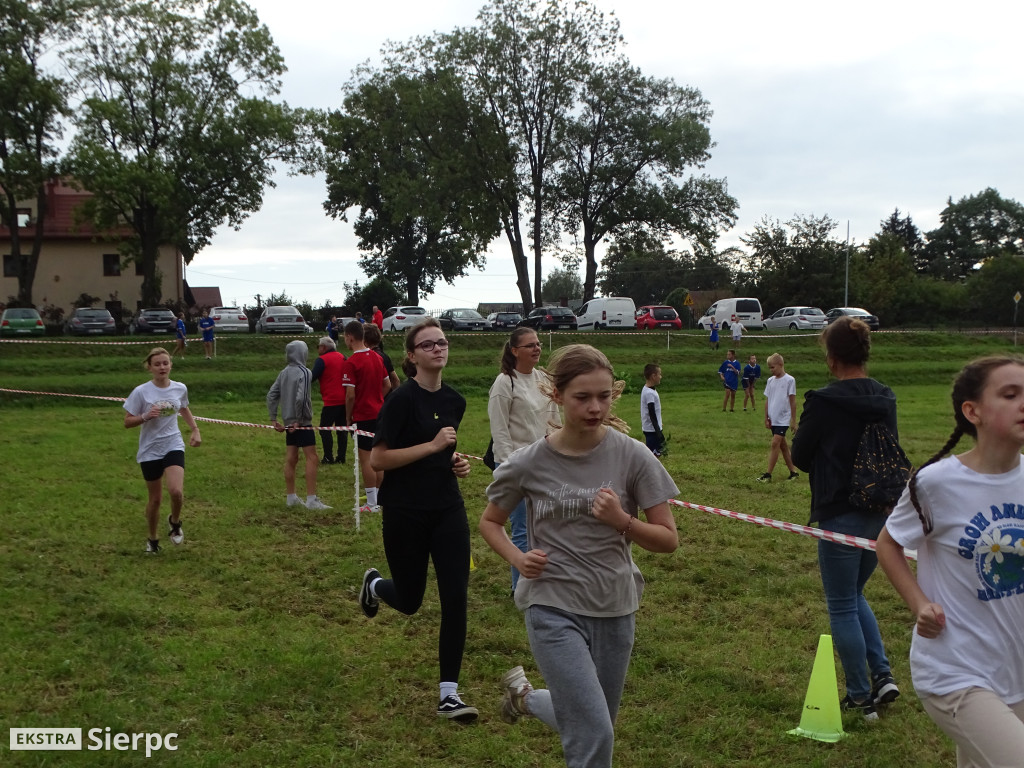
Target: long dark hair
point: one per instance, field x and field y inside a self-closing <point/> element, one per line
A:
<point x="408" y="366"/>
<point x="968" y="385"/>
<point x="508" y="360"/>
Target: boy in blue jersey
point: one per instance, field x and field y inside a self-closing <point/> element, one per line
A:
<point x="729" y="371"/>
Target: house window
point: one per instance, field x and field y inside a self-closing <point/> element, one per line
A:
<point x="10" y="266"/>
<point x="111" y="265"/>
<point x="24" y="216"/>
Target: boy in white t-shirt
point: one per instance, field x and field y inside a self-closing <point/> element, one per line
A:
<point x="779" y="413"/>
<point x="650" y="409"/>
<point x="737" y="331"/>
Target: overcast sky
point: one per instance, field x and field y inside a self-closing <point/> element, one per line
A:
<point x="819" y="108"/>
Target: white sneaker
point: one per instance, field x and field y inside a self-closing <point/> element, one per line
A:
<point x="513" y="700"/>
<point x="365" y="509"/>
<point x="315" y="503"/>
<point x="175" y="534"/>
<point x="294" y="501"/>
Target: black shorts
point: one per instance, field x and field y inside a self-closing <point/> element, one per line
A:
<point x="300" y="438"/>
<point x="154" y="470"/>
<point x="366" y="443"/>
<point x="780" y="430"/>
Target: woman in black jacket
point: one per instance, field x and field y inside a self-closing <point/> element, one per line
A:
<point x="831" y="425"/>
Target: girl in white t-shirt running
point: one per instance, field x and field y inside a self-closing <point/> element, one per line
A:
<point x="585" y="485"/>
<point x="965" y="516"/>
<point x="155" y="406"/>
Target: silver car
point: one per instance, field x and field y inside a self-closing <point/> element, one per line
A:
<point x="796" y="319"/>
<point x="229" y="320"/>
<point x="400" y="318"/>
<point x="281" y="319"/>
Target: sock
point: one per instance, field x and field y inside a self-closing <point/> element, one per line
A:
<point x="371" y="496"/>
<point x="449" y="689"/>
<point x="373" y="588"/>
<point x="292" y="497"/>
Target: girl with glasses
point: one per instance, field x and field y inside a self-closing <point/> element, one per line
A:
<point x="519" y="413"/>
<point x="423" y="513"/>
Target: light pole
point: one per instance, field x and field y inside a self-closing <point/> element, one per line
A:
<point x="846" y="293"/>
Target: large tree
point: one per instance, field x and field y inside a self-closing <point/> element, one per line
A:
<point x="625" y="152"/>
<point x="33" y="103"/>
<point x="638" y="265"/>
<point x="525" y="63"/>
<point x="177" y="134"/>
<point x="973" y="229"/>
<point x="406" y="151"/>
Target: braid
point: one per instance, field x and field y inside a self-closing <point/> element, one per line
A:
<point x="925" y="517"/>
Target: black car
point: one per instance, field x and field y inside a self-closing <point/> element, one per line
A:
<point x="502" y="321"/>
<point x="550" y="319"/>
<point x="855" y="312"/>
<point x="462" y="320"/>
<point x="153" y="321"/>
<point x="86" y="321"/>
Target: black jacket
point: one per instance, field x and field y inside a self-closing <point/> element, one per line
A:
<point x="829" y="432"/>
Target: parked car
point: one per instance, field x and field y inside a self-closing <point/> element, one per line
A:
<point x="606" y="312"/>
<point x="550" y="319"/>
<point x="153" y="321"/>
<point x="650" y="316"/>
<point x="400" y="318"/>
<point x="503" y="321"/>
<point x="21" y="321"/>
<point x="281" y="318"/>
<point x="229" y="320"/>
<point x="857" y="312"/>
<point x="727" y="311"/>
<point x="86" y="321"/>
<point x="796" y="319"/>
<point x="462" y="320"/>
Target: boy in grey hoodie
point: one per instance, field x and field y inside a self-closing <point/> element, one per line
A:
<point x="291" y="390"/>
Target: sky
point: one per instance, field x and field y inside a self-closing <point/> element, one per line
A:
<point x="819" y="108"/>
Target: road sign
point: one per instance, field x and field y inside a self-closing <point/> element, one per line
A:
<point x="688" y="301"/>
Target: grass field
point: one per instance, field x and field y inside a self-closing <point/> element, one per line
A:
<point x="248" y="641"/>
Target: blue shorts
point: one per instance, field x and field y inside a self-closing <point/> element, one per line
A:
<point x="780" y="430"/>
<point x="728" y="386"/>
<point x="154" y="470"/>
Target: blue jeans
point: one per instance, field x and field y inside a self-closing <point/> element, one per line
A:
<point x="844" y="572"/>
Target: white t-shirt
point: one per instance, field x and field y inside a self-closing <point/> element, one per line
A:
<point x="519" y="412"/>
<point x="159" y="436"/>
<point x="776" y="393"/>
<point x="649" y="395"/>
<point x="590" y="570"/>
<point x="737" y="331"/>
<point x="972" y="564"/>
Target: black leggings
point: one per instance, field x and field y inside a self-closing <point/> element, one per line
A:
<point x="333" y="416"/>
<point x="411" y="537"/>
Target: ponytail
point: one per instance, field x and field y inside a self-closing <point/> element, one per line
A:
<point x="924" y="516"/>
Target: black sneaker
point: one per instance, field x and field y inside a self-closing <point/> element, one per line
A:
<point x="152" y="547"/>
<point x="175" y="533"/>
<point x="765" y="478"/>
<point x="866" y="707"/>
<point x="455" y="708"/>
<point x="793" y="475"/>
<point x="884" y="690"/>
<point x="367" y="601"/>
<point x="327" y="460"/>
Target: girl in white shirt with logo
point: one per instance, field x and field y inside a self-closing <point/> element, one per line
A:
<point x="964" y="515"/>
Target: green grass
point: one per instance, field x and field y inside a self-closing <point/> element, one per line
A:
<point x="249" y="643"/>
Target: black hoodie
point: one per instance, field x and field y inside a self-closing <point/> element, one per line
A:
<point x="830" y="429"/>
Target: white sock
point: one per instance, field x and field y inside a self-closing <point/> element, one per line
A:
<point x="292" y="497"/>
<point x="371" y="497"/>
<point x="449" y="689"/>
<point x="373" y="587"/>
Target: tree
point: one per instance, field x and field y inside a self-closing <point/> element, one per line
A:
<point x="638" y="265"/>
<point x="908" y="234"/>
<point x="624" y="152"/>
<point x="176" y="133"/>
<point x="563" y="284"/>
<point x="34" y="105"/>
<point x="881" y="278"/>
<point x="990" y="290"/>
<point x="973" y="229"/>
<point x="525" y="64"/>
<point x="378" y="291"/>
<point x="797" y="263"/>
<point x="399" y="152"/>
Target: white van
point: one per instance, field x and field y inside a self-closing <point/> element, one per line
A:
<point x="608" y="312"/>
<point x="727" y="311"/>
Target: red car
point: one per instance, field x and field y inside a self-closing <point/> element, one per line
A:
<point x="649" y="316"/>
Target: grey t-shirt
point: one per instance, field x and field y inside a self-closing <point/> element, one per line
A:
<point x="590" y="570"/>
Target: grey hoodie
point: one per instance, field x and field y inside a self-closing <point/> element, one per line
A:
<point x="826" y="441"/>
<point x="292" y="388"/>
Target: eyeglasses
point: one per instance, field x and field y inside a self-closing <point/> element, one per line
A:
<point x="535" y="345"/>
<point x="429" y="344"/>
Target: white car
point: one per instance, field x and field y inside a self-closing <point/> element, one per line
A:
<point x="229" y="320"/>
<point x="796" y="319"/>
<point x="400" y="318"/>
<point x="281" y="319"/>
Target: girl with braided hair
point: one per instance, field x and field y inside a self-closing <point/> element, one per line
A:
<point x="964" y="514"/>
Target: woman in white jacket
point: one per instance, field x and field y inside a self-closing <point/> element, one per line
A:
<point x="520" y="414"/>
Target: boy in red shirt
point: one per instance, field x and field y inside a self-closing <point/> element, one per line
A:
<point x="366" y="383"/>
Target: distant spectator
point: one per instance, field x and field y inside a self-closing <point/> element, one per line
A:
<point x="329" y="370"/>
<point x="374" y="340"/>
<point x="378" y="317"/>
<point x="366" y="382"/>
<point x="206" y="325"/>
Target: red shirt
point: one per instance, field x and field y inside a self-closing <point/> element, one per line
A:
<point x="378" y="319"/>
<point x="331" y="377"/>
<point x="364" y="370"/>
